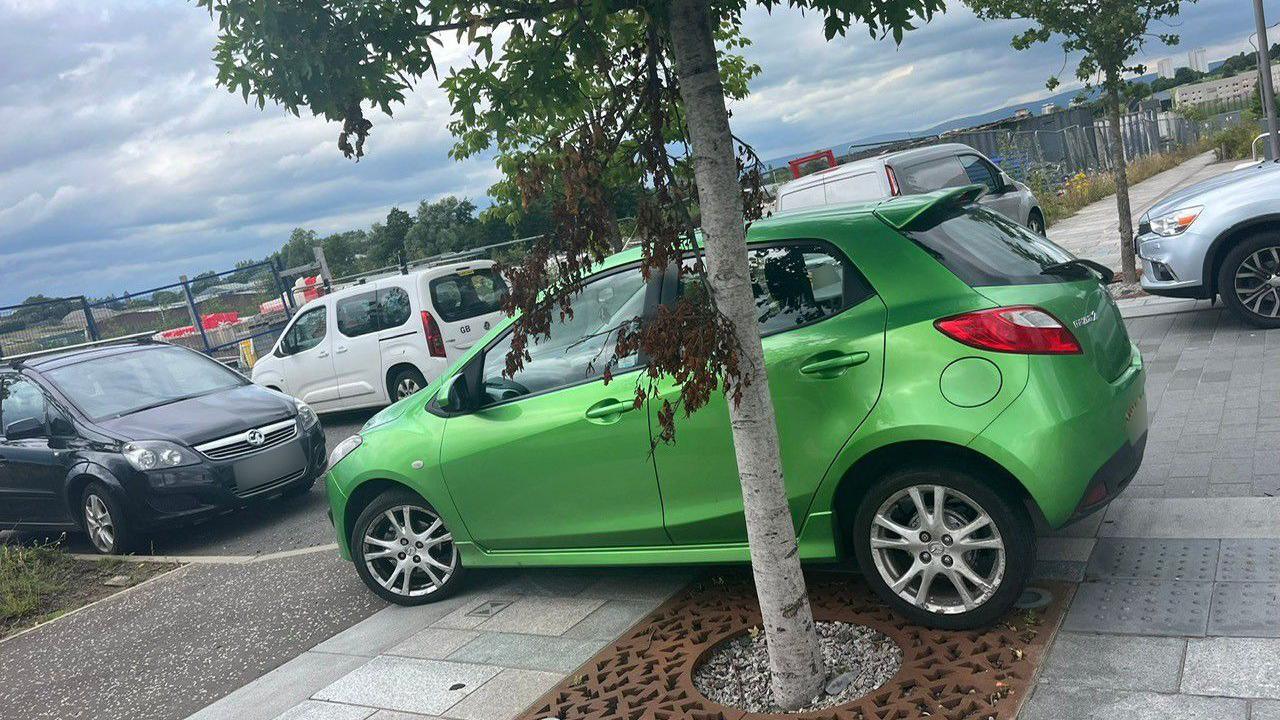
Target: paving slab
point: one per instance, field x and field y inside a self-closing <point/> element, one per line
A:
<point x="428" y="687"/>
<point x="1064" y="570"/>
<point x="1265" y="710"/>
<point x="282" y="688"/>
<point x="1239" y="667"/>
<point x="610" y="620"/>
<point x="528" y="652"/>
<point x="386" y="628"/>
<point x="505" y="696"/>
<point x="537" y="615"/>
<point x="1242" y="609"/>
<point x="1115" y="662"/>
<point x="433" y="643"/>
<point x="1141" y="607"/>
<point x="1249" y="561"/>
<point x="1069" y="549"/>
<point x="318" y="710"/>
<point x="1153" y="559"/>
<point x="1052" y="702"/>
<point x="1180" y="518"/>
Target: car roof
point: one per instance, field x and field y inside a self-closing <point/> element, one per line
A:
<point x="412" y="276"/>
<point x="858" y="167"/>
<point x="56" y="360"/>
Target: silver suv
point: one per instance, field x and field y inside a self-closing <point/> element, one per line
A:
<point x="915" y="171"/>
<point x="1219" y="238"/>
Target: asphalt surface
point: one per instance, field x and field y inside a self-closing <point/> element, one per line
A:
<point x="273" y="525"/>
<point x="168" y="648"/>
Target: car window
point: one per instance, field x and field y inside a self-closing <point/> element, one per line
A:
<point x="983" y="248"/>
<point x="578" y="347"/>
<point x="307" y="332"/>
<point x="930" y="175"/>
<point x="467" y="293"/>
<point x="358" y="314"/>
<point x="802" y="198"/>
<point x="393" y="305"/>
<point x="856" y="188"/>
<point x="119" y="384"/>
<point x="20" y="399"/>
<point x="797" y="284"/>
<point x="981" y="172"/>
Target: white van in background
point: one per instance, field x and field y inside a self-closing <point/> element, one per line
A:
<point x="377" y="342"/>
<point x="908" y="172"/>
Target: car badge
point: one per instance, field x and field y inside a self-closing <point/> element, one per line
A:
<point x="255" y="438"/>
<point x="1085" y="319"/>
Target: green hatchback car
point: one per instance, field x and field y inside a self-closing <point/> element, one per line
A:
<point x="942" y="377"/>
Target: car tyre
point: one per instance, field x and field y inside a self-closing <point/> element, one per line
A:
<point x="1249" y="280"/>
<point x="405" y="382"/>
<point x="999" y="553"/>
<point x="413" y="567"/>
<point x="104" y="521"/>
<point x="1035" y="223"/>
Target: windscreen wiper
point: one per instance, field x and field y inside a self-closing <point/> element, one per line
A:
<point x="1107" y="275"/>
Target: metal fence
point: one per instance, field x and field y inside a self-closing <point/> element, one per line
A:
<point x="213" y="313"/>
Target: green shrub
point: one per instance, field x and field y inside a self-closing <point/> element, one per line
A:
<point x="1235" y="142"/>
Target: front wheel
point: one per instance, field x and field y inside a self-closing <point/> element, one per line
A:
<point x="943" y="548"/>
<point x="1249" y="280"/>
<point x="1035" y="224"/>
<point x="104" y="521"/>
<point x="403" y="551"/>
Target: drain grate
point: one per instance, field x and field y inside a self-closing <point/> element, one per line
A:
<point x="1153" y="559"/>
<point x="1245" y="610"/>
<point x="1141" y="607"/>
<point x="647" y="673"/>
<point x="1249" y="561"/>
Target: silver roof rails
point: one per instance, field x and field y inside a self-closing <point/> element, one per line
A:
<point x="142" y="337"/>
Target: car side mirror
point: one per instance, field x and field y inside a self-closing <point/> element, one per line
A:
<point x="59" y="426"/>
<point x="1007" y="184"/>
<point x="453" y="395"/>
<point x="25" y="429"/>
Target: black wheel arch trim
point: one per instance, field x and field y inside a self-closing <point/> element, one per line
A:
<point x="1221" y="245"/>
<point x="78" y="478"/>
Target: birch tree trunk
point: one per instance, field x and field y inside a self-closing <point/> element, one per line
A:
<point x="795" y="657"/>
<point x="1120" y="169"/>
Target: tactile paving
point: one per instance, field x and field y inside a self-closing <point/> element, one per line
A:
<point x="1116" y="558"/>
<point x="1249" y="561"/>
<point x="1245" y="610"/>
<point x="1141" y="607"/>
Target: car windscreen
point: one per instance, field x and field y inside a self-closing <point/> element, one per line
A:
<point x="983" y="248"/>
<point x="467" y="293"/>
<point x="119" y="384"/>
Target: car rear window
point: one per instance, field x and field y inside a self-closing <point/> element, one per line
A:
<point x="983" y="248"/>
<point x="467" y="293"/>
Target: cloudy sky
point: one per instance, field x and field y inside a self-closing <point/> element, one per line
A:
<point x="123" y="166"/>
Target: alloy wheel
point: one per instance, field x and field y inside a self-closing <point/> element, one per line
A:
<point x="406" y="387"/>
<point x="98" y="523"/>
<point x="938" y="549"/>
<point x="409" y="551"/>
<point x="1036" y="225"/>
<point x="1257" y="282"/>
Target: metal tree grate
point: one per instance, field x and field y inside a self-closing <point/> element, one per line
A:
<point x="647" y="673"/>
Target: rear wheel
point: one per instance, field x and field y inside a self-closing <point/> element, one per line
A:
<point x="405" y="382"/>
<point x="1249" y="280"/>
<point x="108" y="528"/>
<point x="1035" y="223"/>
<point x="942" y="547"/>
<point x="403" y="551"/>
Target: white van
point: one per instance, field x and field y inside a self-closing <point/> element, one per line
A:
<point x="377" y="342"/>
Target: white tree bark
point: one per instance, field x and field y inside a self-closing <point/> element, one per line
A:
<point x="1120" y="169"/>
<point x="795" y="657"/>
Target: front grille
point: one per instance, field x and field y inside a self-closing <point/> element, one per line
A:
<point x="234" y="447"/>
<point x="273" y="485"/>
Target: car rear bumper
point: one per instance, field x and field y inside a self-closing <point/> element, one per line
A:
<point x="1070" y="433"/>
<point x="188" y="494"/>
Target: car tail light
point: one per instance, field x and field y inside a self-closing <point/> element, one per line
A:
<point x="894" y="189"/>
<point x="435" y="341"/>
<point x="1020" y="329"/>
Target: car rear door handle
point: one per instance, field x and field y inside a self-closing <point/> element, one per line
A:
<point x="832" y="367"/>
<point x="341" y="350"/>
<point x="322" y="354"/>
<point x="609" y="410"/>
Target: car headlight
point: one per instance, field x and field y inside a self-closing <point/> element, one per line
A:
<point x="157" y="455"/>
<point x="1176" y="222"/>
<point x="307" y="416"/>
<point x="344" y="448"/>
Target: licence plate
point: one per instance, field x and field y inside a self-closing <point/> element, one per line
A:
<point x="270" y="465"/>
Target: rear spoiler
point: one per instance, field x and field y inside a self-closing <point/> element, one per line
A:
<point x="900" y="212"/>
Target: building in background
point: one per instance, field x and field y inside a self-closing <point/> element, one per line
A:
<point x="1048" y="107"/>
<point x="1235" y="88"/>
<point x="1196" y="58"/>
<point x="1164" y="67"/>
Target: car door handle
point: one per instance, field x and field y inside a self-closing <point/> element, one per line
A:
<point x="609" y="409"/>
<point x="341" y="350"/>
<point x="831" y="367"/>
<point x="322" y="354"/>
